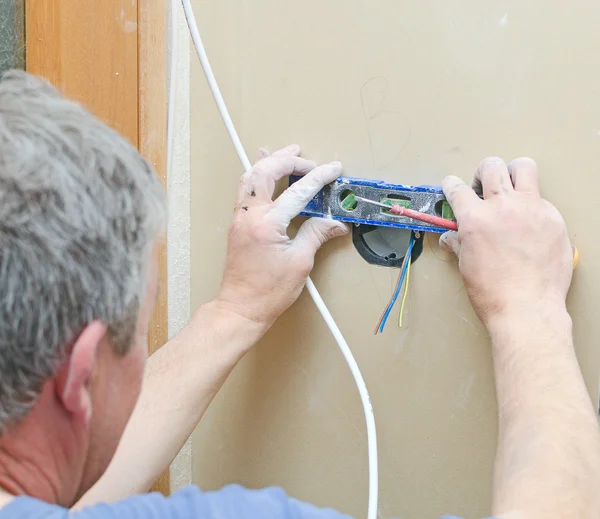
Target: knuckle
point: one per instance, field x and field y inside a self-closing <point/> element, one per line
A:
<point x="261" y="168"/>
<point x="322" y="234"/>
<point x="270" y="166"/>
<point x="456" y="189"/>
<point x="240" y="206"/>
<point x="303" y="264"/>
<point x="331" y="233"/>
<point x="315" y="181"/>
<point x="300" y="192"/>
<point x="258" y="231"/>
<point x="236" y="229"/>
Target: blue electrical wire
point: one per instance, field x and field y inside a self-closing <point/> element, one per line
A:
<point x="399" y="287"/>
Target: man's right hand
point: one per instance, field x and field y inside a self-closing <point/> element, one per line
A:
<point x="512" y="246"/>
<point x="515" y="257"/>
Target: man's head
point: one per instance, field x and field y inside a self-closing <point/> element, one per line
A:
<point x="80" y="212"/>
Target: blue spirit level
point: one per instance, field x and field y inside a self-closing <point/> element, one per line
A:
<point x="336" y="201"/>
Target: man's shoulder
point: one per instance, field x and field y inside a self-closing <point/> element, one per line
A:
<point x="182" y="505"/>
<point x="231" y="502"/>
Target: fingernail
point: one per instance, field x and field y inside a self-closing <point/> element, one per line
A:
<point x="292" y="147"/>
<point x="336" y="164"/>
<point x="444" y="243"/>
<point x="342" y="229"/>
<point x="492" y="161"/>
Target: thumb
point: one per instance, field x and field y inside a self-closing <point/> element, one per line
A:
<point x="315" y="232"/>
<point x="449" y="242"/>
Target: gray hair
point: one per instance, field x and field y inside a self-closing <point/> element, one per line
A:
<point x="80" y="210"/>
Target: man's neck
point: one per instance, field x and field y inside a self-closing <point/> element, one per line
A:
<point x="21" y="472"/>
<point x="39" y="461"/>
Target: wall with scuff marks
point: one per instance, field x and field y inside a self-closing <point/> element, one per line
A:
<point x="407" y="92"/>
<point x="178" y="232"/>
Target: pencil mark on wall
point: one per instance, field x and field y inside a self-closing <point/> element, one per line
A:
<point x="466" y="320"/>
<point x="296" y="365"/>
<point x="389" y="131"/>
<point x="464" y="391"/>
<point x="462" y="288"/>
<point x="433" y="240"/>
<point x="376" y="285"/>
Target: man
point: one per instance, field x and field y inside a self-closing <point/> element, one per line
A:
<point x="80" y="212"/>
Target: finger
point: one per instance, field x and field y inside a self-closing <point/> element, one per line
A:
<point x="292" y="149"/>
<point x="492" y="178"/>
<point x="449" y="242"/>
<point x="259" y="181"/>
<point x="460" y="196"/>
<point x="262" y="153"/>
<point x="294" y="199"/>
<point x="524" y="175"/>
<point x="315" y="232"/>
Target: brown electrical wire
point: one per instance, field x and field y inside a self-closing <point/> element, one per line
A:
<point x="406" y="258"/>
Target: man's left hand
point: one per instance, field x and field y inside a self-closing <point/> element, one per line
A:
<point x="265" y="270"/>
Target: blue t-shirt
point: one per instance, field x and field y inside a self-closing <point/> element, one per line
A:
<point x="232" y="502"/>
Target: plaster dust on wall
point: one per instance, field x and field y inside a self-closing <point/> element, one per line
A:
<point x="467" y="80"/>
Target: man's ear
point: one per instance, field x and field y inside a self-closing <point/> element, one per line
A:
<point x="74" y="375"/>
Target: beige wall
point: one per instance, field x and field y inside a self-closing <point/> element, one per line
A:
<point x="406" y="91"/>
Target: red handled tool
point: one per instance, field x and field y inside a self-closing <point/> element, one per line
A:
<point x="398" y="210"/>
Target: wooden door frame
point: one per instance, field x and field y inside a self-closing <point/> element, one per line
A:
<point x="108" y="55"/>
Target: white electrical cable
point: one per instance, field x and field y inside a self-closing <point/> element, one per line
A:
<point x="214" y="87"/>
<point x="318" y="300"/>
